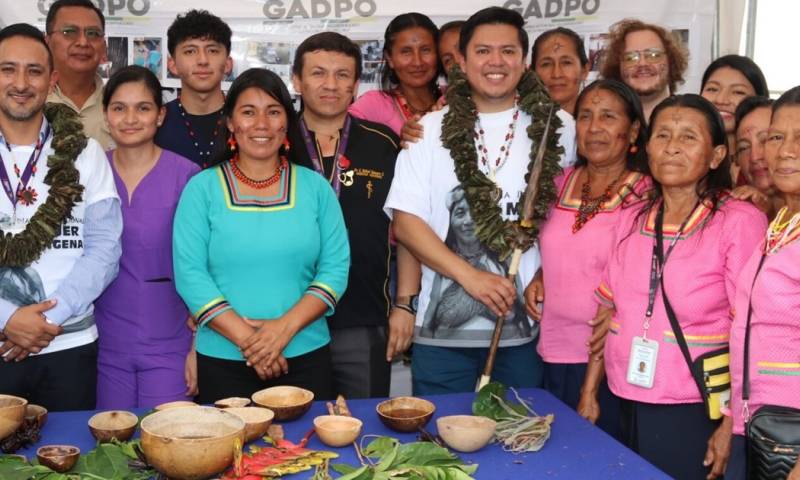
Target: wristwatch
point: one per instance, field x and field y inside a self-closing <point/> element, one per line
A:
<point x="408" y="303"/>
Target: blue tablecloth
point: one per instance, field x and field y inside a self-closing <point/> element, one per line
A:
<point x="576" y="449"/>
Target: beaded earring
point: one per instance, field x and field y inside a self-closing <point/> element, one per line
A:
<point x="232" y="143"/>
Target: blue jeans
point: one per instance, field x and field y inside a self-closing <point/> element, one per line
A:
<point x="436" y="370"/>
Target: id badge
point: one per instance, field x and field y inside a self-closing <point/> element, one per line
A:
<point x="642" y="363"/>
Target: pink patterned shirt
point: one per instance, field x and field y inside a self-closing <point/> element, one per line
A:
<point x="380" y="107"/>
<point x="699" y="278"/>
<point x="573" y="263"/>
<point x="774" y="332"/>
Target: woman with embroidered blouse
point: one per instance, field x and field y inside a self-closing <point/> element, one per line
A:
<point x="261" y="254"/>
<point x="576" y="241"/>
<point x="684" y="248"/>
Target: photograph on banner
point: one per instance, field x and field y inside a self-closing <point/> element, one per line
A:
<point x="118" y="55"/>
<point x="147" y="53"/>
<point x="371" y="60"/>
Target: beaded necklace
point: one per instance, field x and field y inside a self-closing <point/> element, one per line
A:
<point x="203" y="154"/>
<point x="781" y="232"/>
<point x="258" y="184"/>
<point x="505" y="150"/>
<point x="591" y="206"/>
<point x="406" y="108"/>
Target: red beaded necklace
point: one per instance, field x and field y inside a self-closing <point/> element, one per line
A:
<point x="258" y="184"/>
<point x="591" y="206"/>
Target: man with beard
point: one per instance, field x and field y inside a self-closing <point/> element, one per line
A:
<point x="76" y="37"/>
<point x="647" y="58"/>
<point x="430" y="200"/>
<point x="48" y="337"/>
<point x="199" y="45"/>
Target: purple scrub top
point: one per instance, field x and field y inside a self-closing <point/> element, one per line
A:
<point x="140" y="312"/>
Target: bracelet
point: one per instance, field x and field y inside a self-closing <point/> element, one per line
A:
<point x="405" y="307"/>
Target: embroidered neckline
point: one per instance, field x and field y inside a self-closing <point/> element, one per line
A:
<point x="236" y="201"/>
<point x="625" y="188"/>
<point x="696" y="222"/>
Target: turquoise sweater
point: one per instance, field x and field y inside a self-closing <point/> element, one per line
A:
<point x="259" y="256"/>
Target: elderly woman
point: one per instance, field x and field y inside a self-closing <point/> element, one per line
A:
<point x="752" y="123"/>
<point x="261" y="254"/>
<point x="676" y="261"/>
<point x="768" y="293"/>
<point x="576" y="240"/>
<point x="144" y="340"/>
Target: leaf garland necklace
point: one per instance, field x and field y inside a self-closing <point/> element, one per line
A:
<point x="458" y="127"/>
<point x="25" y="247"/>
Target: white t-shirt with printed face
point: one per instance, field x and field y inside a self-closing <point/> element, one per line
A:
<point x="425" y="185"/>
<point x="38" y="282"/>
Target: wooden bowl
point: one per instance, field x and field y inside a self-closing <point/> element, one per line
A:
<point x="175" y="404"/>
<point x="405" y="414"/>
<point x="257" y="420"/>
<point x="232" y="402"/>
<point x="191" y="443"/>
<point x="465" y="433"/>
<point x="336" y="430"/>
<point x="118" y="424"/>
<point x="36" y="413"/>
<point x="287" y="402"/>
<point x="12" y="413"/>
<point x="58" y="457"/>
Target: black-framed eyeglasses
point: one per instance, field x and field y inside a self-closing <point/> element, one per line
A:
<point x="650" y="55"/>
<point x="71" y="32"/>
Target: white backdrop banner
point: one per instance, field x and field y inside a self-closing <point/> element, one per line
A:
<point x="266" y="32"/>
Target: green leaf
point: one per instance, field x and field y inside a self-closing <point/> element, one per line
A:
<point x="387" y="459"/>
<point x="380" y="447"/>
<point x="357" y="474"/>
<point x="110" y="461"/>
<point x="486" y="403"/>
<point x="343" y="468"/>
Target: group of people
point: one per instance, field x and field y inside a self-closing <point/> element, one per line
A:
<point x="224" y="242"/>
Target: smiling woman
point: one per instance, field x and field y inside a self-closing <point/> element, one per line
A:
<point x="260" y="326"/>
<point x="146" y="345"/>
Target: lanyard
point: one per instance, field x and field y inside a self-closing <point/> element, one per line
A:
<point x="339" y="159"/>
<point x="657" y="263"/>
<point x="26" y="174"/>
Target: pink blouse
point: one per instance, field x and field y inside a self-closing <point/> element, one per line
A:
<point x="774" y="333"/>
<point x="573" y="263"/>
<point x="699" y="278"/>
<point x="380" y="107"/>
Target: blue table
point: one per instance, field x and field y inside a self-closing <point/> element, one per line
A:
<point x="576" y="449"/>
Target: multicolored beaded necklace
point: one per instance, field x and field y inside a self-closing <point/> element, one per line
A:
<point x="406" y="108"/>
<point x="258" y="184"/>
<point x="781" y="232"/>
<point x="204" y="154"/>
<point x="591" y="206"/>
<point x="505" y="150"/>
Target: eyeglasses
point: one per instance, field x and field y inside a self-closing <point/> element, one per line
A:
<point x="650" y="55"/>
<point x="71" y="32"/>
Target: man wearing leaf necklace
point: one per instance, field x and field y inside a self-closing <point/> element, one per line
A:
<point x="455" y="200"/>
<point x="199" y="45"/>
<point x="357" y="157"/>
<point x="61" y="224"/>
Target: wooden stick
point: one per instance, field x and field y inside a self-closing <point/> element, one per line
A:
<point x="526" y="220"/>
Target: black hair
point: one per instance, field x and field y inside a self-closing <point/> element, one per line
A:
<point x="790" y="98"/>
<point x="268" y="82"/>
<point x="743" y="65"/>
<point x="493" y="16"/>
<point x="198" y="24"/>
<point x="748" y="105"/>
<point x="576" y="40"/>
<point x="454" y="25"/>
<point x="59" y="4"/>
<point x="327" y="42"/>
<point x="133" y="74"/>
<point x="28" y="31"/>
<point x="637" y="161"/>
<point x="718" y="180"/>
<point x="401" y="23"/>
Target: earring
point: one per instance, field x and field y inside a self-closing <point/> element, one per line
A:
<point x="286" y="144"/>
<point x="232" y="143"/>
<point x="633" y="149"/>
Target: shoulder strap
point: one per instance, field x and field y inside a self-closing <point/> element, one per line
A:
<point x="746" y="376"/>
<point x="673" y="320"/>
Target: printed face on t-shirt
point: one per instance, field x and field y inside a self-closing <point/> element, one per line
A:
<point x="201" y="64"/>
